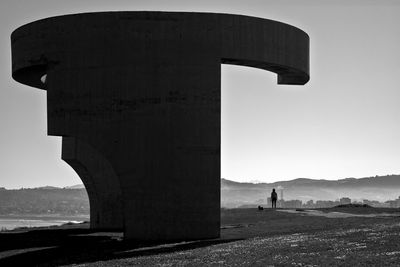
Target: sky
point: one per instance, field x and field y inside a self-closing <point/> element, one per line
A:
<point x="345" y="122"/>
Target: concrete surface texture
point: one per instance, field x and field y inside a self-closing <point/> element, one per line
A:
<point x="136" y="98"/>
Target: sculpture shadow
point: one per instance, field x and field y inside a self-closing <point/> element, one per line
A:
<point x="75" y="246"/>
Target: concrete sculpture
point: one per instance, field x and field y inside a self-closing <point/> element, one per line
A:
<point x="136" y="98"/>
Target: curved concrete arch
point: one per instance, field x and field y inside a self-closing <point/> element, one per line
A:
<point x="100" y="181"/>
<point x="88" y="182"/>
<point x="238" y="39"/>
<point x="144" y="89"/>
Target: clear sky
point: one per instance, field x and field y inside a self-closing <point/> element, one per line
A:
<point x="344" y="123"/>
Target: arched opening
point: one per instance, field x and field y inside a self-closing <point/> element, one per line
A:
<point x="100" y="180"/>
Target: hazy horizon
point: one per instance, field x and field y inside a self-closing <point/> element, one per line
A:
<point x="243" y="181"/>
<point x="343" y="123"/>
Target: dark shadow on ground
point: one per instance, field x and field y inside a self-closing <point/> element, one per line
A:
<point x="52" y="247"/>
<point x="63" y="246"/>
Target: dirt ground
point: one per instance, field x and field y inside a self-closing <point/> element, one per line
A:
<point x="248" y="238"/>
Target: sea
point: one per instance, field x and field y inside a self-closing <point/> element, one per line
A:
<point x="13" y="222"/>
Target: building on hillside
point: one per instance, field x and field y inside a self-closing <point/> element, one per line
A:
<point x="269" y="202"/>
<point x="280" y="203"/>
<point x="345" y="201"/>
<point x="394" y="203"/>
<point x="309" y="204"/>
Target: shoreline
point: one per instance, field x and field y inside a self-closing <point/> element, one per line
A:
<point x="36" y="222"/>
<point x="44" y="216"/>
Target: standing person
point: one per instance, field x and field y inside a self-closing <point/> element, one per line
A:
<point x="274" y="198"/>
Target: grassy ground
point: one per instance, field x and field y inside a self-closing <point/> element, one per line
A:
<point x="248" y="237"/>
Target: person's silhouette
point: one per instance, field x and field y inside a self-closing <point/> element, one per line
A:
<point x="274" y="198"/>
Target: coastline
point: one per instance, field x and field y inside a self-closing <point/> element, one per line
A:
<point x="35" y="221"/>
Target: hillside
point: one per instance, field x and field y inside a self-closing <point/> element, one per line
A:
<point x="74" y="200"/>
<point x="379" y="188"/>
<point x="44" y="200"/>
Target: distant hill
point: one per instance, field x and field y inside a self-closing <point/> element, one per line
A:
<point x="381" y="188"/>
<point x="74" y="200"/>
<point x="47" y="187"/>
<point x="46" y="200"/>
<point x="77" y="186"/>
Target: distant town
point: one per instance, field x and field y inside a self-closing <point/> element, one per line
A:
<point x="375" y="191"/>
<point x="311" y="204"/>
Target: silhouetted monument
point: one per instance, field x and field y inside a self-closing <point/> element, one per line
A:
<point x="136" y="98"/>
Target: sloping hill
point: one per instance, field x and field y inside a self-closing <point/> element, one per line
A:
<point x="379" y="188"/>
<point x="74" y="199"/>
<point x="47" y="200"/>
